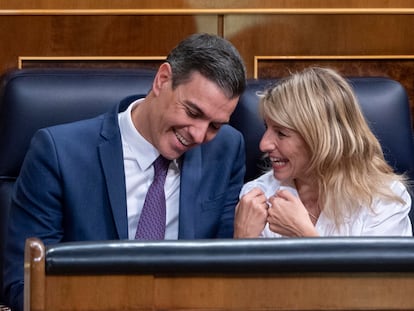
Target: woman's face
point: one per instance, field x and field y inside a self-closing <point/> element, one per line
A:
<point x="287" y="151"/>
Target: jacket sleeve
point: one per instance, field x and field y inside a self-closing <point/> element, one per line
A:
<point x="236" y="161"/>
<point x="35" y="211"/>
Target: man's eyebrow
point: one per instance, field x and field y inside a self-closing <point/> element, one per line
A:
<point x="200" y="112"/>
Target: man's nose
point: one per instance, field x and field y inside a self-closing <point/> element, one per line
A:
<point x="199" y="132"/>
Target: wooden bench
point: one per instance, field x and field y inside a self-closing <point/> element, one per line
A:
<point x="280" y="274"/>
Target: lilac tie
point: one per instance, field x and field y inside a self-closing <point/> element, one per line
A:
<point x="151" y="224"/>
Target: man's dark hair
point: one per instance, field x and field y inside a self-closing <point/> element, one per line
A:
<point x="213" y="57"/>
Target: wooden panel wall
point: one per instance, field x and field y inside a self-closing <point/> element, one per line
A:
<point x="55" y="35"/>
<point x="379" y="29"/>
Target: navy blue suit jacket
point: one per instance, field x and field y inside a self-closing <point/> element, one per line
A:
<point x="72" y="188"/>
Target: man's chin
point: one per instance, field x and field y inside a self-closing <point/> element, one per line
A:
<point x="175" y="152"/>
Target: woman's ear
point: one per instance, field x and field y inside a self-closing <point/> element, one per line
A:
<point x="162" y="78"/>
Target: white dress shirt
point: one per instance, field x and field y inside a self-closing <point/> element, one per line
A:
<point x="386" y="219"/>
<point x="139" y="155"/>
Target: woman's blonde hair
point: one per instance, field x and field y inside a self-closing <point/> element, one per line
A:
<point x="346" y="157"/>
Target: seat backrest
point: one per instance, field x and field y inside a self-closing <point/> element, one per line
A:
<point x="34" y="98"/>
<point x="384" y="103"/>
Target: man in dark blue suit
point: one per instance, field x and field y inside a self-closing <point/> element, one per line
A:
<point x="88" y="180"/>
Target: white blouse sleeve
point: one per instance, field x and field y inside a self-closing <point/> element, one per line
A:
<point x="390" y="218"/>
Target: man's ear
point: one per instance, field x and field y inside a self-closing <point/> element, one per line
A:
<point x="163" y="76"/>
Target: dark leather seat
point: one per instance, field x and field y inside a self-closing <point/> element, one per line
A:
<point x="35" y="98"/>
<point x="384" y="103"/>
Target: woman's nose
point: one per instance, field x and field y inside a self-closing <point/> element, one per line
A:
<point x="267" y="143"/>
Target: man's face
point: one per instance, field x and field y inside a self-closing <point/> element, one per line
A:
<point x="189" y="115"/>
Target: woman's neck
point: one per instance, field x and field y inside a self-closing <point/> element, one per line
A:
<point x="309" y="195"/>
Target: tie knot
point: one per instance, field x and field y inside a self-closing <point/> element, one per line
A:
<point x="161" y="165"/>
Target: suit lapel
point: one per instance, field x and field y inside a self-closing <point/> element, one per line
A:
<point x="190" y="183"/>
<point x="111" y="155"/>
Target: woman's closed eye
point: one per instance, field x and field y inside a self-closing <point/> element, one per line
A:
<point x="281" y="133"/>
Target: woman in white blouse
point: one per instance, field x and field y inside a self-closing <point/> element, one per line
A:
<point x="329" y="176"/>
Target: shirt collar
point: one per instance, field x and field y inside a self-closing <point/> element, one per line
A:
<point x="144" y="152"/>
